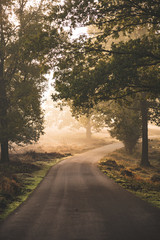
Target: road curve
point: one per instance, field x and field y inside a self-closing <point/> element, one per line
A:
<point x="76" y="201"/>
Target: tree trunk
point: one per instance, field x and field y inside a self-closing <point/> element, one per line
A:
<point x="88" y="129"/>
<point x="3" y="125"/>
<point x="4" y="152"/>
<point x="4" y="128"/>
<point x="3" y="98"/>
<point x="144" y="111"/>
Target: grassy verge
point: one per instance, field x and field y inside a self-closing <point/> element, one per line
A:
<point x="125" y="170"/>
<point x="22" y="176"/>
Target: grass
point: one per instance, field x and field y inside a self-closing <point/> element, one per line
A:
<point x="26" y="171"/>
<point x="125" y="170"/>
<point x="22" y="176"/>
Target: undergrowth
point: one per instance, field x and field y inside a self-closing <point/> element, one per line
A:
<point x="126" y="171"/>
<point x="21" y="176"/>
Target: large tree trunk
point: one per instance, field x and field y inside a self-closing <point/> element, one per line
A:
<point x="144" y="111"/>
<point x="3" y="99"/>
<point x="4" y="152"/>
<point x="3" y="123"/>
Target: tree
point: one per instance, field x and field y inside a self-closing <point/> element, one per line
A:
<point x="124" y="122"/>
<point x="27" y="36"/>
<point x="128" y="78"/>
<point x="150" y="112"/>
<point x="145" y="118"/>
<point x="132" y="74"/>
<point x="91" y="119"/>
<point x="78" y="116"/>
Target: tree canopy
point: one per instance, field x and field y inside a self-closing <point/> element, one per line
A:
<point x="112" y="16"/>
<point x="105" y="70"/>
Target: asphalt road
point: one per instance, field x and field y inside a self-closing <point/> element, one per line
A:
<point x="77" y="202"/>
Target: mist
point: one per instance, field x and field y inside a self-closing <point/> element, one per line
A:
<point x="63" y="133"/>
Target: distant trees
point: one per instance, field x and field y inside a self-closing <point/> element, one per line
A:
<point x="90" y="119"/>
<point x="76" y="117"/>
<point x="26" y="37"/>
<point x="124" y="122"/>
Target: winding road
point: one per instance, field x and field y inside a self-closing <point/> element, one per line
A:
<point x="75" y="201"/>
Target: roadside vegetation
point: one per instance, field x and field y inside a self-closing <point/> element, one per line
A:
<point x="125" y="170"/>
<point x="25" y="171"/>
<point x="19" y="178"/>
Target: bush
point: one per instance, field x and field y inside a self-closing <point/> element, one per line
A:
<point x="127" y="173"/>
<point x="3" y="202"/>
<point x="111" y="163"/>
<point x="9" y="187"/>
<point x="155" y="178"/>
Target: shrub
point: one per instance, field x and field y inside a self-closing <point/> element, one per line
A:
<point x="127" y="173"/>
<point x="111" y="163"/>
<point x="9" y="187"/>
<point x="3" y="202"/>
<point x="155" y="178"/>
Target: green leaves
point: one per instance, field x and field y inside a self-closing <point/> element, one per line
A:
<point x="112" y="16"/>
<point x="124" y="122"/>
<point x="28" y="40"/>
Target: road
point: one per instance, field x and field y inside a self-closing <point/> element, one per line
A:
<point x="75" y="201"/>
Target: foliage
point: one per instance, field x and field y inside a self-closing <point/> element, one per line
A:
<point x="124" y="121"/>
<point x="72" y="80"/>
<point x="115" y="19"/>
<point x="111" y="17"/>
<point x="135" y="67"/>
<point x="28" y="41"/>
<point x="88" y="79"/>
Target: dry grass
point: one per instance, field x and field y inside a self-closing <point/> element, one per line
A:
<point x="19" y="178"/>
<point x="125" y="170"/>
<point x="69" y="144"/>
